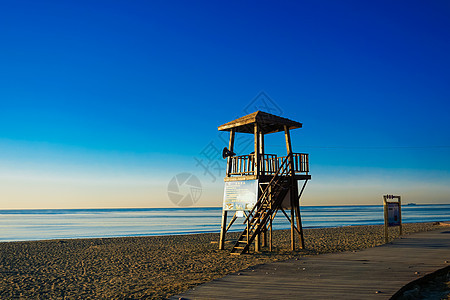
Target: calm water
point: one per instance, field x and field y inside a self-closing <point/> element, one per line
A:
<point x="21" y="225"/>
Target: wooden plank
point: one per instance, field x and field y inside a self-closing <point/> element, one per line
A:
<point x="231" y="148"/>
<point x="272" y="123"/>
<point x="386" y="232"/>
<point x="232" y="221"/>
<point x="347" y="275"/>
<point x="238" y="178"/>
<point x="293" y="197"/>
<point x="257" y="155"/>
<point x="299" y="220"/>
<point x="400" y="212"/>
<point x="261" y="151"/>
<point x="223" y="230"/>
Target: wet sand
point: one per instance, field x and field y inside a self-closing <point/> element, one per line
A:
<point x="154" y="267"/>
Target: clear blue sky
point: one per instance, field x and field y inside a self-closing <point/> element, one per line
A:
<point x="103" y="102"/>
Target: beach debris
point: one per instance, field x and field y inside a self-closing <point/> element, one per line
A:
<point x="239" y="274"/>
<point x="417" y="273"/>
<point x="446" y="261"/>
<point x="378" y="292"/>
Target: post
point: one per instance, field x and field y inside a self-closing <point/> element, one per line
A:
<point x="258" y="242"/>
<point x="390" y="219"/>
<point x="261" y="152"/>
<point x="257" y="155"/>
<point x="264" y="236"/>
<point x="248" y="232"/>
<point x="400" y="213"/>
<point x="386" y="239"/>
<point x="230" y="147"/>
<point x="262" y="169"/>
<point x="292" y="226"/>
<point x="293" y="190"/>
<point x="223" y="229"/>
<point x="270" y="234"/>
<point x="270" y="219"/>
<point x="299" y="219"/>
<point x="257" y="169"/>
<point x="297" y="215"/>
<point x="299" y="227"/>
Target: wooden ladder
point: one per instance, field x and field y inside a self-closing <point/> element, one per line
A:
<point x="268" y="203"/>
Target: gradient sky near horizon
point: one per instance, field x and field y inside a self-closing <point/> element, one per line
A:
<point x="102" y="103"/>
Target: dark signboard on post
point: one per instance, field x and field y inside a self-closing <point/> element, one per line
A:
<point x="392" y="213"/>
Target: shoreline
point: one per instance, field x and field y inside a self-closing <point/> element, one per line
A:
<point x="202" y="232"/>
<point x="156" y="266"/>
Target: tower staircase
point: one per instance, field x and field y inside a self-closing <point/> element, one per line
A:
<point x="267" y="205"/>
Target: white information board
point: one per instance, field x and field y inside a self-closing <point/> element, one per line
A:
<point x="240" y="195"/>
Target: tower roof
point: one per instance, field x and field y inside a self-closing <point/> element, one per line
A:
<point x="268" y="123"/>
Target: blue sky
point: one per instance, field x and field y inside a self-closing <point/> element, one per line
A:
<point x="103" y="102"/>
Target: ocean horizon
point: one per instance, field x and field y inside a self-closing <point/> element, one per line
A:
<point x="45" y="224"/>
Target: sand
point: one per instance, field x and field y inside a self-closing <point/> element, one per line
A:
<point x="153" y="267"/>
<point x="432" y="286"/>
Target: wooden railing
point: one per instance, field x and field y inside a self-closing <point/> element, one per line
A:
<point x="301" y="163"/>
<point x="244" y="165"/>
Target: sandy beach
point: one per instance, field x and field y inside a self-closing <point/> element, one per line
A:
<point x="154" y="267"/>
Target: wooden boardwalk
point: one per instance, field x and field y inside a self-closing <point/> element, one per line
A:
<point x="375" y="273"/>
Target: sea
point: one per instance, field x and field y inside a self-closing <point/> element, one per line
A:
<point x="44" y="224"/>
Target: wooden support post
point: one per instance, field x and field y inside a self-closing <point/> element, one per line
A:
<point x="386" y="232"/>
<point x="257" y="173"/>
<point x="289" y="219"/>
<point x="264" y="236"/>
<point x="248" y="232"/>
<point x="261" y="153"/>
<point x="270" y="233"/>
<point x="257" y="154"/>
<point x="258" y="241"/>
<point x="230" y="147"/>
<point x="289" y="148"/>
<point x="300" y="228"/>
<point x="400" y="213"/>
<point x="293" y="197"/>
<point x="296" y="210"/>
<point x="223" y="229"/>
<point x="299" y="219"/>
<point x="292" y="228"/>
<point x="232" y="221"/>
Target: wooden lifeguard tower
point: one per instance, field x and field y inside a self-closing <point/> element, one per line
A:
<point x="258" y="185"/>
